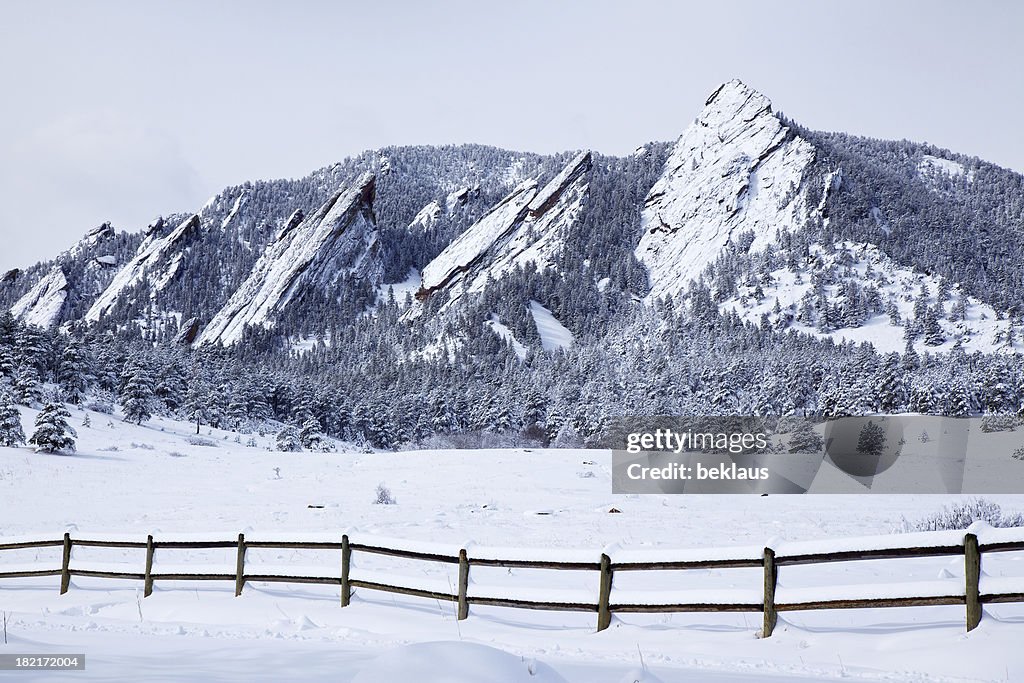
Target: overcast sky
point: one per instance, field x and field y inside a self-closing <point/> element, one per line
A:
<point x="122" y="111"/>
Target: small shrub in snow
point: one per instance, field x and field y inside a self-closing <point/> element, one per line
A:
<point x="251" y="443"/>
<point x="200" y="441"/>
<point x="959" y="516"/>
<point x="1019" y="453"/>
<point x="999" y="423"/>
<point x="86" y="422"/>
<point x="100" y="406"/>
<point x="384" y="496"/>
<point x="142" y="446"/>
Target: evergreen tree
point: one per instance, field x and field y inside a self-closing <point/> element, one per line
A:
<point x="137" y="394"/>
<point x="288" y="440"/>
<point x="197" y="403"/>
<point x="11" y="433"/>
<point x="933" y="335"/>
<point x="28" y="390"/>
<point x="890" y="386"/>
<point x="72" y="372"/>
<point x="53" y="434"/>
<point x="310" y="437"/>
<point x="871" y="440"/>
<point x="805" y="439"/>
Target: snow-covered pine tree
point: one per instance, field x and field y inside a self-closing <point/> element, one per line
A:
<point x="288" y="440"/>
<point x="871" y="440"/>
<point x="805" y="439"/>
<point x="72" y="372"/>
<point x="197" y="402"/>
<point x="933" y="335"/>
<point x="310" y="436"/>
<point x="53" y="434"/>
<point x="11" y="433"/>
<point x="137" y="394"/>
<point x="28" y="390"/>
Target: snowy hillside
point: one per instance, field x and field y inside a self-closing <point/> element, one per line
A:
<point x="854" y="292"/>
<point x="545" y="503"/>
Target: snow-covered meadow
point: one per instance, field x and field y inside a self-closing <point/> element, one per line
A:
<point x="132" y="481"/>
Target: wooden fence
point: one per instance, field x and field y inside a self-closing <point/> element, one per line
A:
<point x="931" y="544"/>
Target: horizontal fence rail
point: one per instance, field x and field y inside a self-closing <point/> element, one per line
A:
<point x="769" y="560"/>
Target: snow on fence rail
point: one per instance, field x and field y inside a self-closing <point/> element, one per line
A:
<point x="975" y="590"/>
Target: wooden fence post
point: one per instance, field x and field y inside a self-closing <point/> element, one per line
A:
<point x="972" y="574"/>
<point x="346" y="566"/>
<point x="240" y="566"/>
<point x="65" y="566"/>
<point x="147" y="589"/>
<point x="771" y="577"/>
<point x="604" y="598"/>
<point x="463" y="584"/>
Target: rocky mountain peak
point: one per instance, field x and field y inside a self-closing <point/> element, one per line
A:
<point x="736" y="169"/>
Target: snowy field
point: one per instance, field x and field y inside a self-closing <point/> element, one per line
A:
<point x="132" y="481"/>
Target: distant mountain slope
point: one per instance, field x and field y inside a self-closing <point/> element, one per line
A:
<point x="744" y="208"/>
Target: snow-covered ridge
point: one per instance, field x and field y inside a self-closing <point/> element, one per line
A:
<point x="340" y="237"/>
<point x="156" y="262"/>
<point x="525" y="226"/>
<point x="736" y="168"/>
<point x="42" y="304"/>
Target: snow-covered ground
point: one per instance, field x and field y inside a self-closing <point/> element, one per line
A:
<point x="553" y="334"/>
<point x="137" y="480"/>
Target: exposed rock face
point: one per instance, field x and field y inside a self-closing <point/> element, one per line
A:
<point x="10" y="276"/>
<point x="737" y="168"/>
<point x="100" y="233"/>
<point x="188" y="332"/>
<point x="156" y="263"/>
<point x="527" y="225"/>
<point x="339" y="238"/>
<point x="42" y="304"/>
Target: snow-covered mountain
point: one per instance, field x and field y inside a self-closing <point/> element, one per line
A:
<point x="747" y="205"/>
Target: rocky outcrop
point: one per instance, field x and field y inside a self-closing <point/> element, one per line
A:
<point x="527" y="225"/>
<point x="188" y="332"/>
<point x="339" y="238"/>
<point x="156" y="263"/>
<point x="42" y="305"/>
<point x="737" y="168"/>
